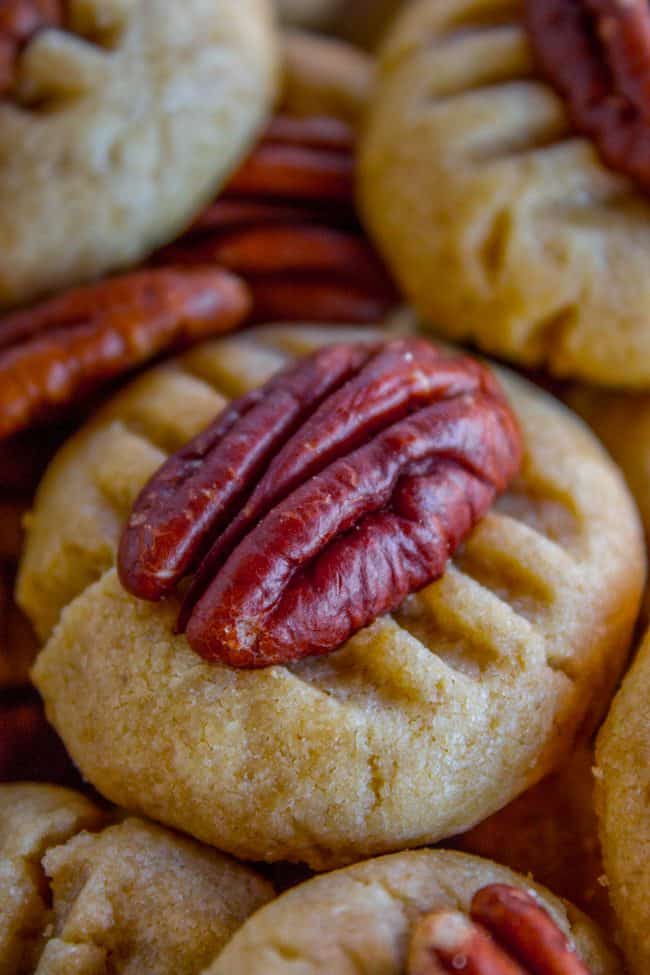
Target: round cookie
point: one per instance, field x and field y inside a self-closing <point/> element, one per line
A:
<point x="79" y="892"/>
<point x="119" y="128"/>
<point x="623" y="803"/>
<point x="357" y="921"/>
<point x="325" y="76"/>
<point x="418" y="728"/>
<point x="500" y="224"/>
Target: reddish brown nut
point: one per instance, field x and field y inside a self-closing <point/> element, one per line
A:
<point x="509" y="933"/>
<point x="20" y="20"/>
<point x="62" y="349"/>
<point x="526" y="931"/>
<point x="597" y="54"/>
<point x="348" y="481"/>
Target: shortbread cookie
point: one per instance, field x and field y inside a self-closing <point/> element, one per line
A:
<point x="550" y="834"/>
<point x="383" y="743"/>
<point x="360" y="920"/>
<point x="501" y="224"/>
<point x="121" y="123"/>
<point x="623" y="802"/>
<point x="325" y="76"/>
<point x="81" y="895"/>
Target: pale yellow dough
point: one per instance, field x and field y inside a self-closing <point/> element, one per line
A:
<point x="623" y="801"/>
<point x="85" y="893"/>
<point x="115" y="142"/>
<point x="418" y="728"/>
<point x="501" y="225"/>
<point x="358" y="921"/>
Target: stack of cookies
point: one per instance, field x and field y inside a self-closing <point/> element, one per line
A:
<point x="322" y="634"/>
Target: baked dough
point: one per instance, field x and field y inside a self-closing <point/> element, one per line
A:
<point x="80" y="895"/>
<point x="357" y="921"/>
<point x="623" y="802"/>
<point x="122" y="130"/>
<point x="502" y="226"/>
<point x="418" y="728"/>
<point x="325" y="76"/>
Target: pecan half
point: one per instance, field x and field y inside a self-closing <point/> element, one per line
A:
<point x="20" y="20"/>
<point x="63" y="348"/>
<point x="597" y="54"/>
<point x="321" y="500"/>
<point x="287" y="224"/>
<point x="509" y="933"/>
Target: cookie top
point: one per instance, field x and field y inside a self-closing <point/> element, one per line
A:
<point x="623" y="802"/>
<point x="502" y="225"/>
<point x="119" y="128"/>
<point x="80" y="893"/>
<point x="358" y="920"/>
<point x="382" y="743"/>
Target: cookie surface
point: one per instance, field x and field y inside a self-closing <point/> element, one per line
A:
<point x="381" y="744"/>
<point x="120" y="128"/>
<point x="357" y="921"/>
<point x="82" y="894"/>
<point x="623" y="802"/>
<point x="501" y="224"/>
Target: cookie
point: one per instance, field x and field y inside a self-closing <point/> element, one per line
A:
<point x="623" y="803"/>
<point x="550" y="834"/>
<point x="120" y="124"/>
<point x="325" y="76"/>
<point x="361" y="919"/>
<point x="82" y="890"/>
<point x="502" y="226"/>
<point x="379" y="745"/>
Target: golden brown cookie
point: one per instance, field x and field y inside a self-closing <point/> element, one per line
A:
<point x="550" y="834"/>
<point x="623" y="802"/>
<point x="360" y="920"/>
<point x="325" y="76"/>
<point x="82" y="892"/>
<point x="418" y="728"/>
<point x="122" y="122"/>
<point x="500" y="223"/>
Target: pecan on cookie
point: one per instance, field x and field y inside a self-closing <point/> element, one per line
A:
<point x="349" y="481"/>
<point x="287" y="223"/>
<point x="509" y="933"/>
<point x="597" y="54"/>
<point x="63" y="349"/>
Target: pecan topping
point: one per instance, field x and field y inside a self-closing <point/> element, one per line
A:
<point x="63" y="348"/>
<point x="597" y="54"/>
<point x="509" y="933"/>
<point x="20" y="20"/>
<point x="320" y="501"/>
<point x="287" y="224"/>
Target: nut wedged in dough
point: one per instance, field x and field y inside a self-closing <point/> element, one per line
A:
<point x="357" y="921"/>
<point x="418" y="728"/>
<point x="115" y="142"/>
<point x="500" y="224"/>
<point x="80" y="895"/>
<point x="623" y="803"/>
